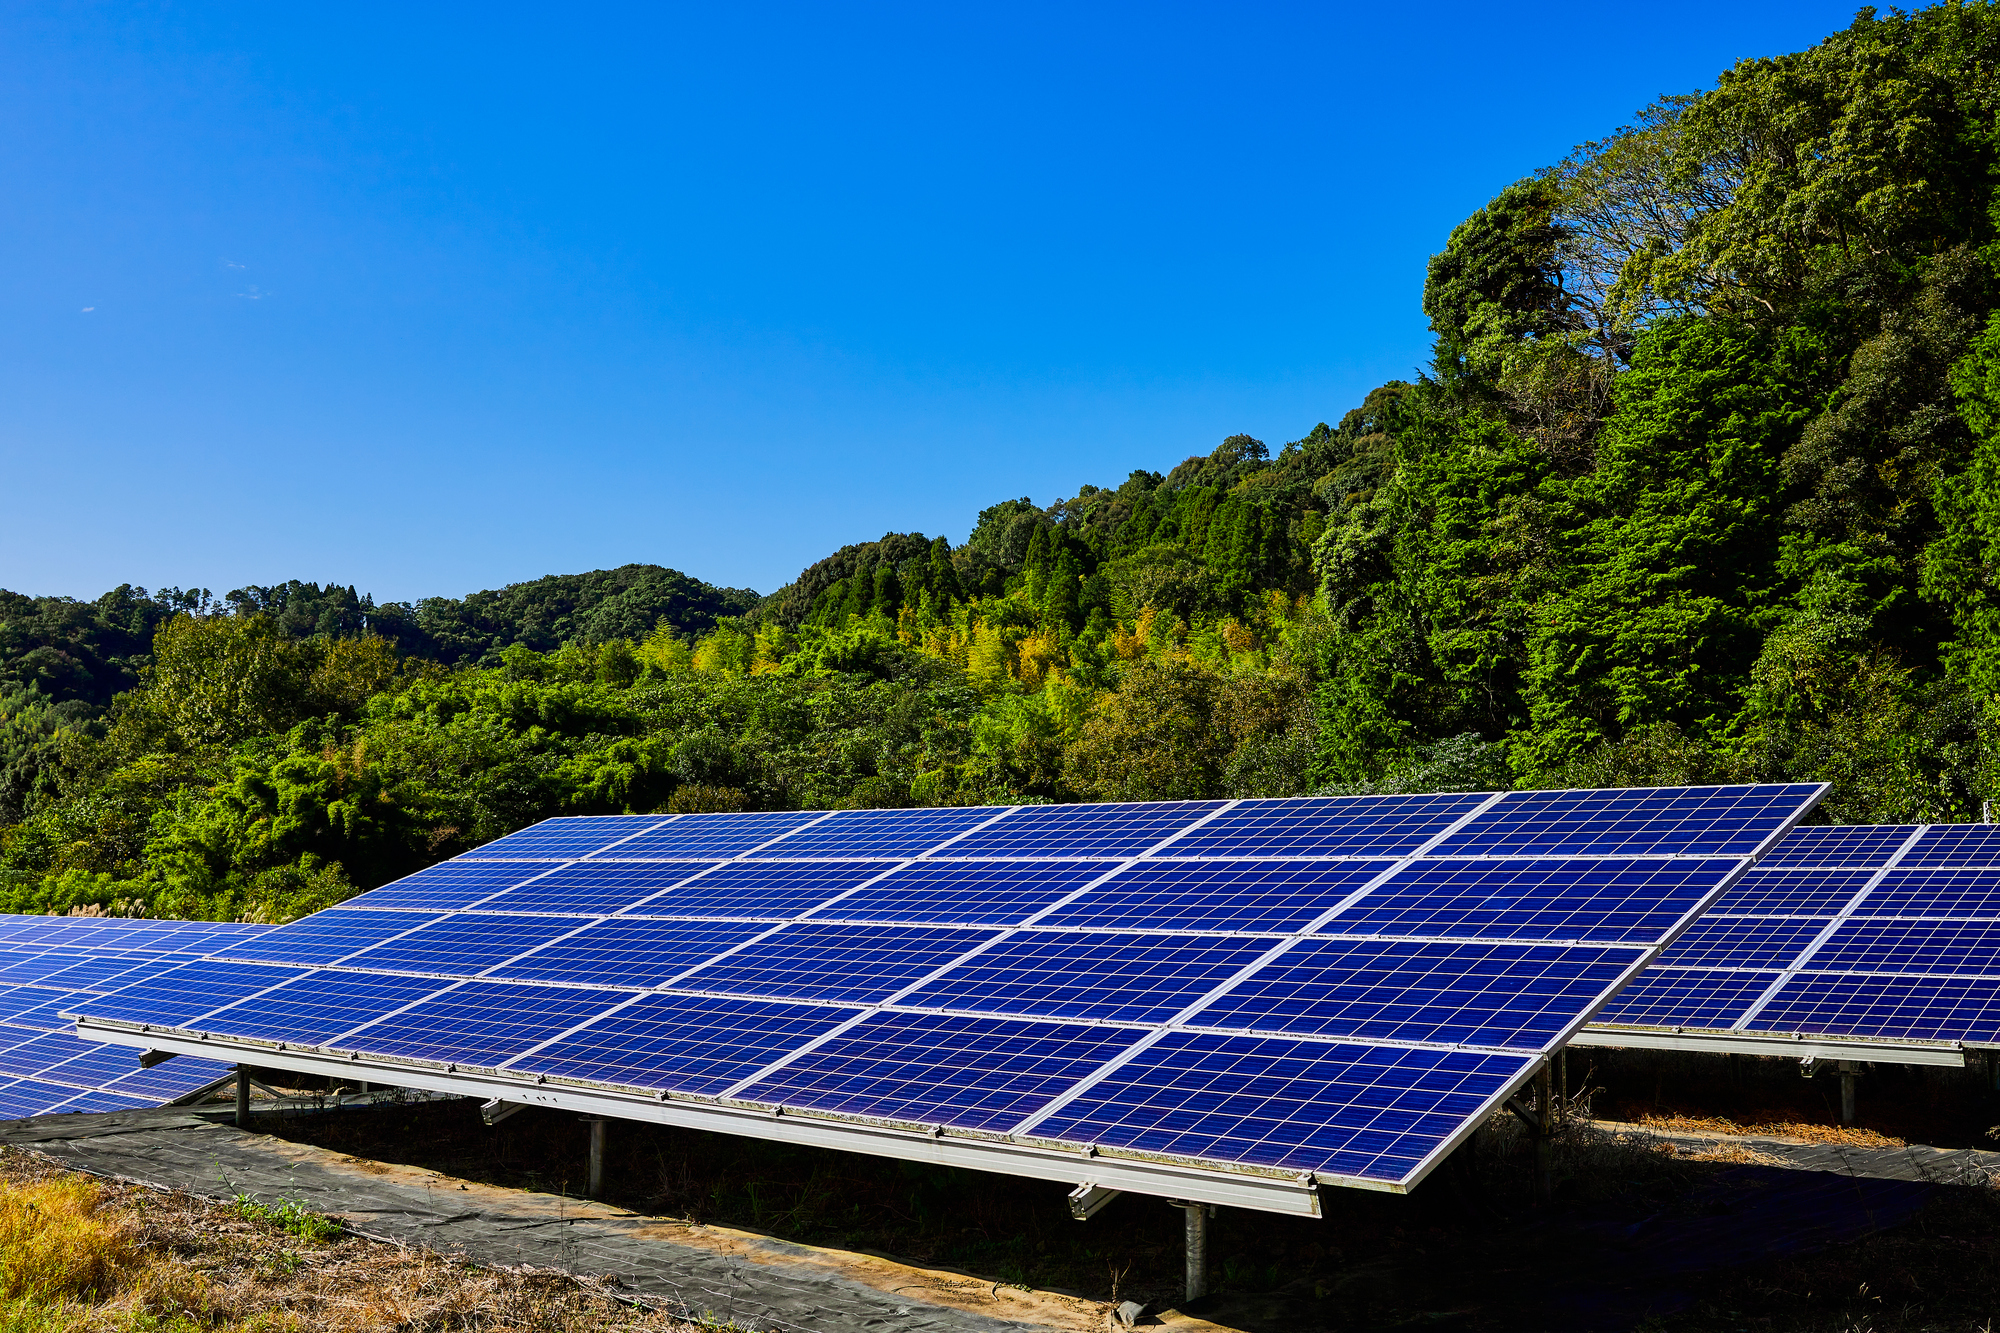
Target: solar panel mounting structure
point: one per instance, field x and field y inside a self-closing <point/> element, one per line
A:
<point x="1216" y="1002"/>
<point x="1863" y="943"/>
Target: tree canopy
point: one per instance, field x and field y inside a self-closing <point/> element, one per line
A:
<point x="1702" y="484"/>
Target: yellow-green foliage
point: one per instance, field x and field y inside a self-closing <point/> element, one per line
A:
<point x="55" y="1244"/>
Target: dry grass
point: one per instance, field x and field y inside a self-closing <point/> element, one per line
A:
<point x="1847" y="1136"/>
<point x="78" y="1255"/>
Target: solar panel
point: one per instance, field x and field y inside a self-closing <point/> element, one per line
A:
<point x="772" y="889"/>
<point x="1366" y="1112"/>
<point x="700" y="837"/>
<point x="1114" y="831"/>
<point x="52" y="964"/>
<point x="957" y="1070"/>
<point x="871" y="835"/>
<point x="1855" y="935"/>
<point x="1866" y="846"/>
<point x="561" y="839"/>
<point x="1267" y="896"/>
<point x="975" y="893"/>
<point x="1371" y="826"/>
<point x="1631" y="821"/>
<point x="1339" y="986"/>
<point x="1635" y="901"/>
<point x="594" y="890"/>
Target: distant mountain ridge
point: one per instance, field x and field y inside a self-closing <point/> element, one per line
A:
<point x="77" y="651"/>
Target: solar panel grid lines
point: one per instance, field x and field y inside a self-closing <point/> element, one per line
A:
<point x="1852" y="905"/>
<point x="1839" y="847"/>
<point x="1703" y="820"/>
<point x="47" y="1068"/>
<point x="627" y="1037"/>
<point x="735" y="1091"/>
<point x="1967" y="846"/>
<point x="565" y="839"/>
<point x="1139" y="1048"/>
<point x="978" y="828"/>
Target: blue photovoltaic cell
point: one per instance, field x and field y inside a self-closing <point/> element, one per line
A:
<point x="1938" y="892"/>
<point x="697" y="1044"/>
<point x="881" y="834"/>
<point x="167" y="1082"/>
<point x="1742" y="942"/>
<point x="1082" y="830"/>
<point x="596" y="890"/>
<point x="971" y="1073"/>
<point x="63" y="1001"/>
<point x="463" y="945"/>
<point x="97" y="974"/>
<point x="325" y="937"/>
<point x="764" y="888"/>
<point x="1791" y="893"/>
<point x="34" y="1056"/>
<point x="564" y="839"/>
<point x="1521" y="996"/>
<point x="316" y="1007"/>
<point x="48" y="1015"/>
<point x="1864" y="945"/>
<point x="1634" y="902"/>
<point x="1928" y="1008"/>
<point x="35" y="967"/>
<point x="1956" y="845"/>
<point x="1695" y="999"/>
<point x="443" y="887"/>
<point x="17" y="1002"/>
<point x="482" y="1023"/>
<point x="96" y="1100"/>
<point x="49" y="1068"/>
<point x="810" y="961"/>
<point x="93" y="1067"/>
<point x="1329" y="826"/>
<point x="1125" y="976"/>
<point x="631" y="953"/>
<point x="698" y="837"/>
<point x="1638" y="821"/>
<point x="1374" y="1112"/>
<point x="177" y="997"/>
<point x="1868" y="845"/>
<point x="1281" y="896"/>
<point x="32" y="1097"/>
<point x="975" y="893"/>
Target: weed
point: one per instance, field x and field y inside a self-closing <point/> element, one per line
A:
<point x="291" y="1217"/>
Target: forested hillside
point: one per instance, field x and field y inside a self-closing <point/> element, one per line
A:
<point x="1702" y="484"/>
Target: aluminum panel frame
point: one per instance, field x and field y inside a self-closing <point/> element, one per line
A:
<point x="1263" y="1189"/>
<point x="1946" y="1053"/>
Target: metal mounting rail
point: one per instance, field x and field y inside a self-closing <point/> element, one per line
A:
<point x="1799" y="1047"/>
<point x="1264" y="1189"/>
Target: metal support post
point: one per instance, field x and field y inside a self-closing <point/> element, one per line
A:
<point x="596" y="1185"/>
<point x="1545" y="1117"/>
<point x="242" y="1097"/>
<point x="1847" y="1076"/>
<point x="1197" y="1248"/>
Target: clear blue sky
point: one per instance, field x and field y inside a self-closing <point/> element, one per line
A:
<point x="430" y="298"/>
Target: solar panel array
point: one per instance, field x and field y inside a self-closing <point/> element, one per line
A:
<point x="1879" y="932"/>
<point x="1334" y="985"/>
<point x="52" y="964"/>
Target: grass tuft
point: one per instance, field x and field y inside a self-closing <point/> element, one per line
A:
<point x="58" y="1244"/>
